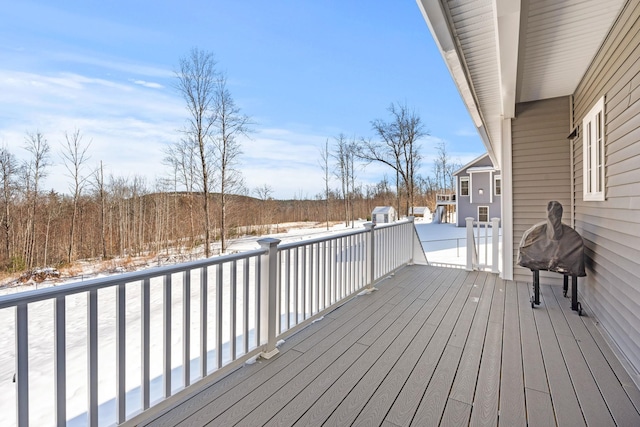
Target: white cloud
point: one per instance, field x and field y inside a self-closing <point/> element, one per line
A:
<point x="148" y="84"/>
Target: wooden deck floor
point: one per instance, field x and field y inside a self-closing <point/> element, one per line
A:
<point x="433" y="346"/>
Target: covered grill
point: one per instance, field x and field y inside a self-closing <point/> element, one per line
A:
<point x="553" y="246"/>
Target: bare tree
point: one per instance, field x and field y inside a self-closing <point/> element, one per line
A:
<point x="229" y="124"/>
<point x="443" y="168"/>
<point x="37" y="145"/>
<point x="344" y="155"/>
<point x="398" y="148"/>
<point x="265" y="194"/>
<point x="74" y="157"/>
<point x="98" y="178"/>
<point x="325" y="156"/>
<point x="183" y="158"/>
<point x="8" y="172"/>
<point x="197" y="83"/>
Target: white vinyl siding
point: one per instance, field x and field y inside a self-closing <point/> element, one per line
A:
<point x="593" y="153"/>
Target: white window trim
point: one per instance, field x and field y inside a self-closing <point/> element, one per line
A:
<point x="593" y="184"/>
<point x="480" y="207"/>
<point x="468" y="180"/>
<point x="496" y="178"/>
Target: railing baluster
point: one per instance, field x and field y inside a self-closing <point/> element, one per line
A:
<point x="121" y="353"/>
<point x="323" y="302"/>
<point x="317" y="275"/>
<point x="186" y="328"/>
<point x="245" y="307"/>
<point x="333" y="263"/>
<point x="257" y="296"/>
<point x="353" y="263"/>
<point x="60" y="360"/>
<point x="145" y="315"/>
<point x="22" y="365"/>
<point x="303" y="284"/>
<point x="219" y="305"/>
<point x="280" y="325"/>
<point x="204" y="310"/>
<point x="92" y="356"/>
<point x="296" y="281"/>
<point x="232" y="310"/>
<point x="287" y="286"/>
<point x="166" y="329"/>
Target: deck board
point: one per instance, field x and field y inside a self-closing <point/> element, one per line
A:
<point x="488" y="385"/>
<point x="512" y="401"/>
<point x="565" y="403"/>
<point x="433" y="346"/>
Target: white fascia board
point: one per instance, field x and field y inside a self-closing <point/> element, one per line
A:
<point x="438" y="23"/>
<point x="507" y="29"/>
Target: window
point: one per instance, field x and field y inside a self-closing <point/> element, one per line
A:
<point x="483" y="213"/>
<point x="464" y="185"/>
<point x="497" y="185"/>
<point x="593" y="152"/>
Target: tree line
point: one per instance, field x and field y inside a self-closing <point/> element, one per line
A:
<point x="203" y="198"/>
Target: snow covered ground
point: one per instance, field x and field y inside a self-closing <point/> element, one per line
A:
<point x="444" y="245"/>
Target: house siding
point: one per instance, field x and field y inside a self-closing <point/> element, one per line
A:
<point x="611" y="228"/>
<point x="541" y="170"/>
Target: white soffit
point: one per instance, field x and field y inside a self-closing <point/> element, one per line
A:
<point x="465" y="33"/>
<point x="501" y="52"/>
<point x="560" y="40"/>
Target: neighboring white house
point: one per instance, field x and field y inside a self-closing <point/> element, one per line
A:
<point x="479" y="191"/>
<point x="383" y="214"/>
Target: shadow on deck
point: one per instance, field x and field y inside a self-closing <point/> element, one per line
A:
<point x="433" y="346"/>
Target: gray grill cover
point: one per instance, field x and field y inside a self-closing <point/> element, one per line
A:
<point x="552" y="246"/>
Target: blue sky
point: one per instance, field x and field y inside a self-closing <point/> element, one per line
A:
<point x="304" y="71"/>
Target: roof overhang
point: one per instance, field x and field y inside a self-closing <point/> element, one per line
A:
<point x="502" y="52"/>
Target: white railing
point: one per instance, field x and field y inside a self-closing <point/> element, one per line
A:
<point x="147" y="335"/>
<point x="441" y="197"/>
<point x="483" y="245"/>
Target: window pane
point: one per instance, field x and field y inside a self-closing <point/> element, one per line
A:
<point x="483" y="213"/>
<point x="599" y="147"/>
<point x="587" y="165"/>
<point x="464" y="187"/>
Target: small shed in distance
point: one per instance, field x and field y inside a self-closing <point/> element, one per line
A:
<point x="420" y="212"/>
<point x="383" y="214"/>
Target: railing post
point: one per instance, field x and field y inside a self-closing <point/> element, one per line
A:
<point x="269" y="295"/>
<point x="370" y="255"/>
<point x="495" y="242"/>
<point x="470" y="243"/>
<point x="413" y="233"/>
